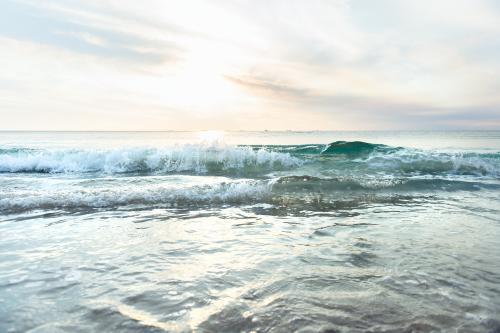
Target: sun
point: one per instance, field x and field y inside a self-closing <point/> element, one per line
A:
<point x="199" y="81"/>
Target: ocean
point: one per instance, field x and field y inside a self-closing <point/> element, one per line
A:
<point x="250" y="231"/>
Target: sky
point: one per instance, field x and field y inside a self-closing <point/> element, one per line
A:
<point x="249" y="65"/>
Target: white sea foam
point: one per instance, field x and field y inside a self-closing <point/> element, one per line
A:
<point x="138" y="194"/>
<point x="187" y="158"/>
<point x="428" y="162"/>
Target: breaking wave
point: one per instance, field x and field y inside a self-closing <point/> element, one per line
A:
<point x="433" y="163"/>
<point x="363" y="157"/>
<point x="115" y="196"/>
<point x="346" y="148"/>
<point x="337" y="158"/>
<point x="310" y="184"/>
<point x="198" y="159"/>
<point x="119" y="192"/>
<point x="252" y="174"/>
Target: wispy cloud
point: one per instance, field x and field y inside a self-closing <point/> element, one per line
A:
<point x="316" y="64"/>
<point x="82" y="32"/>
<point x="386" y="112"/>
<point x="269" y="88"/>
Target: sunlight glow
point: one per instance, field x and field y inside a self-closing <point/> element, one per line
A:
<point x="211" y="137"/>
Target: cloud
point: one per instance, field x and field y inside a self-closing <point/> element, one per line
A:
<point x="382" y="111"/>
<point x="269" y="88"/>
<point x="77" y="31"/>
<point x="87" y="38"/>
<point x="338" y="64"/>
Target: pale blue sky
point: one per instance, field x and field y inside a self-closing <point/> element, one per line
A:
<point x="249" y="64"/>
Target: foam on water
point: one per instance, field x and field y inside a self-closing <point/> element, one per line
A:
<point x="354" y="236"/>
<point x="364" y="157"/>
<point x="236" y="191"/>
<point x="255" y="172"/>
<point x="249" y="160"/>
<point x="429" y="162"/>
<point x="185" y="191"/>
<point x="187" y="158"/>
<point x="393" y="184"/>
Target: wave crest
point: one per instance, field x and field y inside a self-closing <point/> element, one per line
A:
<point x="433" y="163"/>
<point x="337" y="158"/>
<point x="189" y="158"/>
<point x="241" y="191"/>
<point x="354" y="148"/>
<point x="301" y="184"/>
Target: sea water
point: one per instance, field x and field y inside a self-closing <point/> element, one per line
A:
<point x="250" y="231"/>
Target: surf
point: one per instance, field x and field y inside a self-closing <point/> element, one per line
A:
<point x="334" y="159"/>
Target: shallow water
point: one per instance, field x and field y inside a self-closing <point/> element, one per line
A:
<point x="250" y="231"/>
